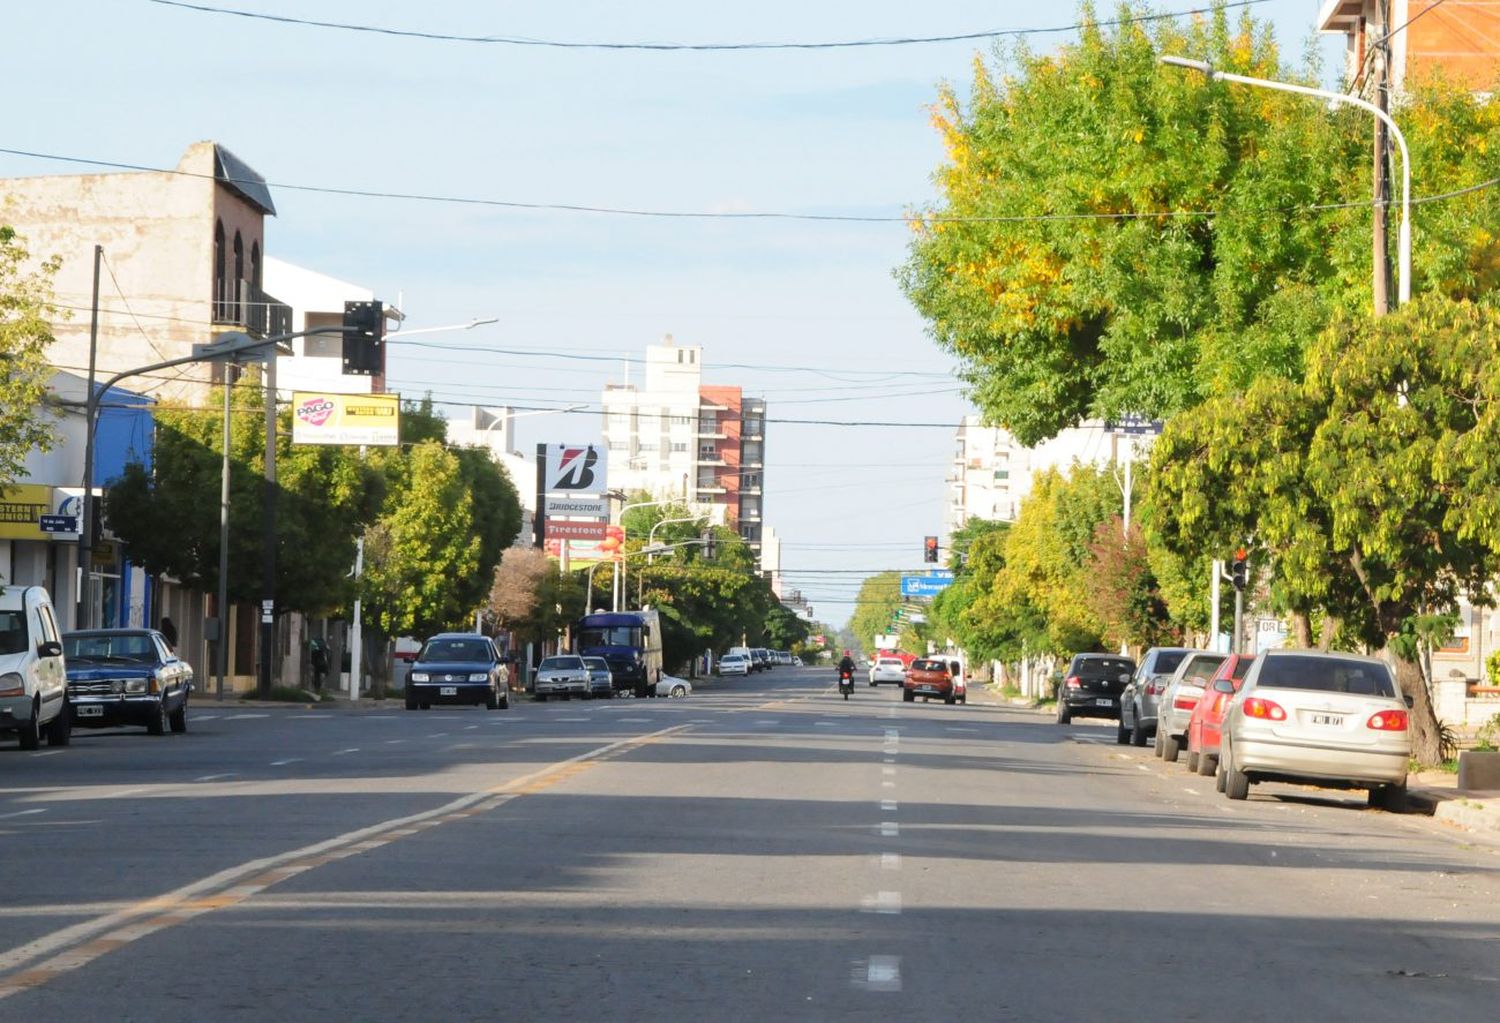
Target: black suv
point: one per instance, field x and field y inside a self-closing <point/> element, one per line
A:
<point x="1092" y="685"/>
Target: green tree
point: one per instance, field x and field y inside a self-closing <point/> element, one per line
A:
<point x="26" y="313"/>
<point x="875" y="608"/>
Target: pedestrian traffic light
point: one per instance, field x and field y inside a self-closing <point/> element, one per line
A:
<point x="930" y="549"/>
<point x="1239" y="571"/>
<point x="364" y="338"/>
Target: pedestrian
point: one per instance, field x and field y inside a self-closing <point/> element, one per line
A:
<point x="168" y="632"/>
<point x="319" y="664"/>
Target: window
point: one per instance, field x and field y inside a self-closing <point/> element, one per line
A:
<point x="1002" y="474"/>
<point x="1326" y="674"/>
<point x="750" y="479"/>
<point x="753" y="425"/>
<point x="255" y="264"/>
<point x="679" y="446"/>
<point x="221" y="293"/>
<point x="649" y="445"/>
<point x="460" y="650"/>
<point x="617" y="445"/>
<point x="708" y="450"/>
<point x="239" y="275"/>
<point x="750" y="452"/>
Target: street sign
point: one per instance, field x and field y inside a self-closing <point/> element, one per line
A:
<point x="1133" y="424"/>
<point x="580" y="507"/>
<point x="58" y="523"/>
<point x="925" y="585"/>
<point x="561" y="529"/>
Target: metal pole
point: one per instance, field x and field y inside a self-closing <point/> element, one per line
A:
<point x="83" y="613"/>
<point x="1215" y="582"/>
<point x="1129" y="459"/>
<point x="268" y="537"/>
<point x="356" y="632"/>
<point x="1239" y="614"/>
<point x="222" y="607"/>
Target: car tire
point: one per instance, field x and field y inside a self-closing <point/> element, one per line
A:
<point x="1192" y="761"/>
<point x="908" y="696"/>
<point x="31" y="731"/>
<point x="411" y="700"/>
<point x="1219" y="774"/>
<point x="1207" y="765"/>
<point x="425" y="706"/>
<point x="1137" y="732"/>
<point x="177" y="720"/>
<point x="1170" y="746"/>
<point x="492" y="700"/>
<point x="1236" y="782"/>
<point x="1122" y="734"/>
<point x="1064" y="715"/>
<point x="950" y="699"/>
<point x="156" y="724"/>
<point x="678" y="692"/>
<point x="1390" y="798"/>
<point x="60" y="728"/>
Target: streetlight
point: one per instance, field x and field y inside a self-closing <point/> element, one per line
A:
<point x="1403" y="238"/>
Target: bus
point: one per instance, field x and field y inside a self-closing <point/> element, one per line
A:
<point x="630" y="641"/>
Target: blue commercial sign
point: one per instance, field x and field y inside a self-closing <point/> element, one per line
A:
<point x="925" y="585"/>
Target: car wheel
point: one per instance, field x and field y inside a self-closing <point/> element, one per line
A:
<point x="411" y="700"/>
<point x="1064" y="715"/>
<point x="60" y="728"/>
<point x="492" y="700"/>
<point x="964" y="699"/>
<point x="1219" y="774"/>
<point x="157" y="723"/>
<point x="908" y="696"/>
<point x="1390" y="798"/>
<point x="1207" y="764"/>
<point x="1192" y="761"/>
<point x="541" y="697"/>
<point x="31" y="731"/>
<point x="1122" y="734"/>
<point x="1236" y="782"/>
<point x="1137" y="732"/>
<point x="1170" y="746"/>
<point x="678" y="692"/>
<point x="425" y="706"/>
<point x="950" y="699"/>
<point x="178" y="718"/>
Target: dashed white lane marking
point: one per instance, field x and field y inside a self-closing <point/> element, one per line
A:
<point x="392" y="742"/>
<point x="890" y="760"/>
<point x="19" y="813"/>
<point x="283" y="763"/>
<point x="470" y="728"/>
<point x="438" y="735"/>
<point x="888" y="903"/>
<point x="890" y="861"/>
<point x="959" y="728"/>
<point x="214" y="777"/>
<point x="887" y="806"/>
<point x="633" y="721"/>
<point x="887" y="771"/>
<point x="351" y="749"/>
<point x="573" y="720"/>
<point x="889" y="829"/>
<point x="887" y="784"/>
<point x="824" y="724"/>
<point x="312" y="717"/>
<point x="882" y="973"/>
<point x="47" y="753"/>
<point x="205" y="717"/>
<point x="243" y="717"/>
<point x="1142" y="767"/>
<point x="768" y="722"/>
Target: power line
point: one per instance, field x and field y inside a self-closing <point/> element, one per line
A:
<point x="561" y="44"/>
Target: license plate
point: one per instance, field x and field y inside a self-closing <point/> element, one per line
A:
<point x="448" y="691"/>
<point x="89" y="711"/>
<point x="1331" y="720"/>
<point x="1104" y="701"/>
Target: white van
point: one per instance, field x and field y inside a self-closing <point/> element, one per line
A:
<point x="33" y="678"/>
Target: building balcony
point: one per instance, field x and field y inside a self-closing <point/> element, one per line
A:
<point x="241" y="304"/>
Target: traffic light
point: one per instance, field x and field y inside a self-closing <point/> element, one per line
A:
<point x="364" y="338"/>
<point x="930" y="549"/>
<point x="1239" y="571"/>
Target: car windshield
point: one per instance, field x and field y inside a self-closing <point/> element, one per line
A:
<point x="736" y="658"/>
<point x="1326" y="674"/>
<point x="609" y="635"/>
<point x="928" y="666"/>
<point x="12" y="632"/>
<point x="133" y="646"/>
<point x="597" y="663"/>
<point x="561" y="663"/>
<point x="1167" y="662"/>
<point x="1241" y="666"/>
<point x="455" y="650"/>
<point x="1102" y="667"/>
<point x="889" y="662"/>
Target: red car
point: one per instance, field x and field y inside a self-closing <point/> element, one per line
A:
<point x="929" y="677"/>
<point x="1205" y="728"/>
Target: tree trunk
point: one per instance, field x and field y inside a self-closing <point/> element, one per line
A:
<point x="1425" y="746"/>
<point x="1330" y="629"/>
<point x="1302" y="629"/>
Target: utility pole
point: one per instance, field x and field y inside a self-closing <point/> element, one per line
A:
<point x="83" y="614"/>
<point x="1213" y="601"/>
<point x="268" y="536"/>
<point x="1380" y="77"/>
<point x="221" y="619"/>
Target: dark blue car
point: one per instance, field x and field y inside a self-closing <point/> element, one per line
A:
<point x="458" y="667"/>
<point x="126" y="677"/>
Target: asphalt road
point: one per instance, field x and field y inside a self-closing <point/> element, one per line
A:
<point x="760" y="851"/>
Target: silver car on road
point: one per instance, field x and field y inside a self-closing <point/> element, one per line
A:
<point x="563" y="675"/>
<point x="1175" y="708"/>
<point x="1329" y="719"/>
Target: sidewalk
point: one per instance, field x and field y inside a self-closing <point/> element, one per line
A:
<point x="1436" y="794"/>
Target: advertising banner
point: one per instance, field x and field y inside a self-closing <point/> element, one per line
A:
<point x="575" y="507"/>
<point x="319" y="417"/>
<point x="562" y="529"/>
<point x="607" y="549"/>
<point x="574" y="469"/>
<point x="21" y="509"/>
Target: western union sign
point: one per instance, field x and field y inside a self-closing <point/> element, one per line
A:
<point x="21" y="509"/>
<point x="322" y="418"/>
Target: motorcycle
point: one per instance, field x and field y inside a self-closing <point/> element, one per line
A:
<point x="846" y="683"/>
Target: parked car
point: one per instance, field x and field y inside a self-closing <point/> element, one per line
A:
<point x="929" y="677"/>
<point x="562" y="675"/>
<point x="33" y="675"/>
<point x="762" y="658"/>
<point x="458" y="667"/>
<point x="887" y="669"/>
<point x="126" y="677"/>
<point x="673" y="687"/>
<point x="734" y="664"/>
<point x="1138" y="701"/>
<point x="1208" y="717"/>
<point x="601" y="681"/>
<point x="960" y="678"/>
<point x="748" y="655"/>
<point x="1177" y="701"/>
<point x="1336" y="720"/>
<point x="1092" y="685"/>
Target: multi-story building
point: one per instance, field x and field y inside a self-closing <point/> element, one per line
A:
<point x="675" y="437"/>
<point x="992" y="473"/>
<point x="494" y="430"/>
<point x="1456" y="39"/>
<point x="317" y="300"/>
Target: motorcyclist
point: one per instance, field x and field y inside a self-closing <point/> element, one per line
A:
<point x="846" y="666"/>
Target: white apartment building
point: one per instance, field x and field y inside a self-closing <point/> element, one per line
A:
<point x="494" y="430"/>
<point x="316" y="300"/>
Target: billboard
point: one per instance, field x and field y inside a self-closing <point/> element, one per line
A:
<point x="319" y="417"/>
<point x="565" y="529"/>
<point x="608" y="549"/>
<point x="22" y="506"/>
<point x="574" y="469"/>
<point x="925" y="585"/>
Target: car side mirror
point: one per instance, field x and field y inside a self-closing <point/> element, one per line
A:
<point x="51" y="648"/>
<point x="1125" y="678"/>
<point x="1223" y="686"/>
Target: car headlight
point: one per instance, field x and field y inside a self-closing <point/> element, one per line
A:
<point x="419" y="676"/>
<point x="12" y="684"/>
<point x="135" y="685"/>
<point x="479" y="676"/>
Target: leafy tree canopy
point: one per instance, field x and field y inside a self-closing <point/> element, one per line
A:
<point x="26" y="313"/>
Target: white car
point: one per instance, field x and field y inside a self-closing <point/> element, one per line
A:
<point x="734" y="664"/>
<point x="676" y="688"/>
<point x="887" y="669"/>
<point x="33" y="677"/>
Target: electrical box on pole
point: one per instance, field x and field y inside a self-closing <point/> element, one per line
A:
<point x="364" y="338"/>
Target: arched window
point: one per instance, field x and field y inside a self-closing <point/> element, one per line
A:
<point x="255" y="265"/>
<point x="239" y="273"/>
<point x="221" y="294"/>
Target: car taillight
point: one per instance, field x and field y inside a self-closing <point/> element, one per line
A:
<point x="1185" y="702"/>
<point x="1388" y="721"/>
<point x="1073" y="682"/>
<point x="1255" y="707"/>
<point x="1155" y="688"/>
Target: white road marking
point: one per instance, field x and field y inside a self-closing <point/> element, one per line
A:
<point x="824" y="724"/>
<point x="1142" y="767"/>
<point x="19" y="813"/>
<point x="767" y="722"/>
<point x="887" y="784"/>
<point x="470" y="728"/>
<point x="888" y="806"/>
<point x="392" y="742"/>
<point x="214" y="777"/>
<point x="890" y="760"/>
<point x="243" y="717"/>
<point x="888" y="903"/>
<point x="312" y="717"/>
<point x="438" y="735"/>
<point x="283" y="763"/>
<point x="890" y="861"/>
<point x="883" y="973"/>
<point x="574" y="720"/>
<point x="1193" y="792"/>
<point x="887" y="771"/>
<point x="47" y="753"/>
<point x="633" y="721"/>
<point x="889" y="829"/>
<point x="1087" y="738"/>
<point x="893" y="735"/>
<point x="204" y="717"/>
<point x="352" y="749"/>
<point x="959" y="728"/>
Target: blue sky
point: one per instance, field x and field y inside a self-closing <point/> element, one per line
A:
<point x="813" y="306"/>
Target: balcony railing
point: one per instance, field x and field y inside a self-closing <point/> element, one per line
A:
<point x="238" y="303"/>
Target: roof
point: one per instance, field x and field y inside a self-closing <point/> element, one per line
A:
<point x="238" y="176"/>
<point x="1340" y="15"/>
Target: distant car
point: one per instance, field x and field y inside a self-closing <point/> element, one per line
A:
<point x="562" y="675"/>
<point x="1091" y="686"/>
<point x="762" y="658"/>
<point x="928" y="678"/>
<point x="734" y="664"/>
<point x="676" y="688"/>
<point x="1205" y="726"/>
<point x="601" y="681"/>
<point x="126" y="677"/>
<point x="1336" y="720"/>
<point x="1175" y="708"/>
<point x="1138" y="701"/>
<point x="960" y="680"/>
<point x="887" y="669"/>
<point x="458" y="668"/>
<point x="749" y="656"/>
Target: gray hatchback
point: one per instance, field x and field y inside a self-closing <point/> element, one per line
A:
<point x="1138" y="701"/>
